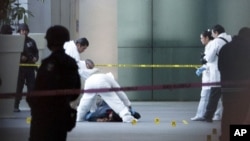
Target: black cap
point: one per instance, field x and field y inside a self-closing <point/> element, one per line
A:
<point x="23" y="26"/>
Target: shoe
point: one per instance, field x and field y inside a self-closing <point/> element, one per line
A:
<point x="207" y="120"/>
<point x="128" y="119"/>
<point x="197" y="119"/>
<point x="216" y="118"/>
<point x="136" y="115"/>
<point x="16" y="110"/>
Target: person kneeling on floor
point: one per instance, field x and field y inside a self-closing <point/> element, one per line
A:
<point x="116" y="100"/>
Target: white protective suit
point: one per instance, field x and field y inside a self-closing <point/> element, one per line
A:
<point x="71" y="49"/>
<point x="205" y="91"/>
<point x="211" y="55"/>
<point x="117" y="100"/>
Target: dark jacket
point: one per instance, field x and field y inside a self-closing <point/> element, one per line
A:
<point x="57" y="72"/>
<point x="30" y="50"/>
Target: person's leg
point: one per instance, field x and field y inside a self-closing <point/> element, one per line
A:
<point x="120" y="94"/>
<point x="47" y="130"/>
<point x="19" y="89"/>
<point x="30" y="79"/>
<point x="212" y="103"/>
<point x="218" y="112"/>
<point x="84" y="106"/>
<point x="202" y="104"/>
<point x="117" y="105"/>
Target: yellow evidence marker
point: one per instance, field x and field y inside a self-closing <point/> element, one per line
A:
<point x="134" y="122"/>
<point x="157" y="120"/>
<point x="173" y="123"/>
<point x="28" y="120"/>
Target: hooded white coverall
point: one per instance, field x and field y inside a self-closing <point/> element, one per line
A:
<point x="117" y="100"/>
<point x="205" y="91"/>
<point x="211" y="56"/>
<point x="71" y="49"/>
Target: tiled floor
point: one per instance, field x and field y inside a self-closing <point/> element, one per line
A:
<point x="174" y="125"/>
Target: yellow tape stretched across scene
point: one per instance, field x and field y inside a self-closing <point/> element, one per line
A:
<point x="137" y="65"/>
<point x="151" y="65"/>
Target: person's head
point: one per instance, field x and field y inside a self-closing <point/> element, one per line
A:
<point x="56" y="36"/>
<point x="217" y="30"/>
<point x="244" y="32"/>
<point x="23" y="29"/>
<point x="89" y="64"/>
<point x="82" y="44"/>
<point x="206" y="36"/>
<point x="6" y="29"/>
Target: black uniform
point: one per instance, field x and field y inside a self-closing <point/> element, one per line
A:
<point x="51" y="115"/>
<point x="234" y="66"/>
<point x="26" y="74"/>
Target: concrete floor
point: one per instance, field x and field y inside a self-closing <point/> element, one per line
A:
<point x="174" y="125"/>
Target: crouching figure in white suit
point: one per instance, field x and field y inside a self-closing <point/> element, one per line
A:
<point x="117" y="100"/>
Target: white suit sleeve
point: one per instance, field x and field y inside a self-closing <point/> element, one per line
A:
<point x="84" y="72"/>
<point x="71" y="49"/>
<point x="210" y="53"/>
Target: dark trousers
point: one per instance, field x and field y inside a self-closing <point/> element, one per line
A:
<point x="25" y="76"/>
<point x="47" y="130"/>
<point x="212" y="104"/>
<point x="235" y="109"/>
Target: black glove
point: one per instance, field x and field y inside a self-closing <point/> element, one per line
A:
<point x="203" y="61"/>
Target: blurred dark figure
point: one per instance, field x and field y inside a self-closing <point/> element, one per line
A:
<point x="26" y="74"/>
<point x="6" y="29"/>
<point x="52" y="116"/>
<point x="234" y="66"/>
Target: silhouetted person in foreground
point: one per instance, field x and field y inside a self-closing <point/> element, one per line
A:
<point x="234" y="66"/>
<point x="52" y="116"/>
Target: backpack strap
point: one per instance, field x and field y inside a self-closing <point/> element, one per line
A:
<point x="223" y="39"/>
<point x="223" y="45"/>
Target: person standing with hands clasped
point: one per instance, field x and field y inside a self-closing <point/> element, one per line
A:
<point x="211" y="56"/>
<point x="206" y="38"/>
<point x="52" y="115"/>
<point x="26" y="74"/>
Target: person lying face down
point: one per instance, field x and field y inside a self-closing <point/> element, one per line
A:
<point x="116" y="100"/>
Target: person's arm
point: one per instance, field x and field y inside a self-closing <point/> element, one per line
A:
<point x="35" y="53"/>
<point x="210" y="53"/>
<point x="84" y="71"/>
<point x="71" y="50"/>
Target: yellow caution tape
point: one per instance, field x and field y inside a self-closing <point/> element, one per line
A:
<point x="135" y="65"/>
<point x="150" y="65"/>
<point x="29" y="65"/>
